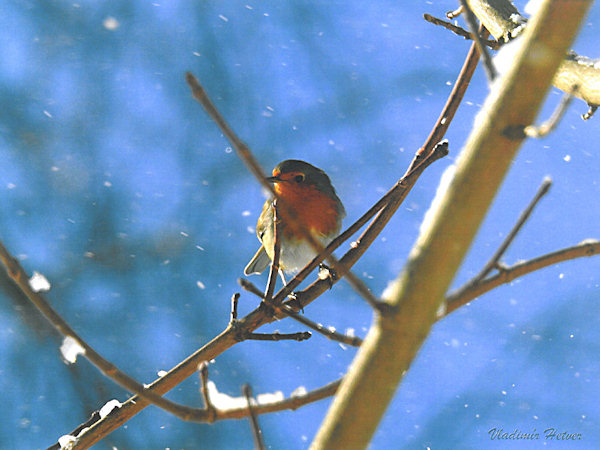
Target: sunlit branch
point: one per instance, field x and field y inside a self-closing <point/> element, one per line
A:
<point x="548" y="126"/>
<point x="454" y="14"/>
<point x="505" y="22"/>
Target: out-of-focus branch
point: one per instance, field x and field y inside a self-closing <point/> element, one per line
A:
<point x="500" y="17"/>
<point x="504" y="21"/>
<point x="582" y="72"/>
<point x="16" y="272"/>
<point x="548" y="126"/>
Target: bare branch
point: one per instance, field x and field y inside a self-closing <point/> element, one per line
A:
<point x="287" y="211"/>
<point x="291" y="311"/>
<point x="495" y="45"/>
<point x="234" y="304"/>
<point x="329" y="333"/>
<point x="590" y="112"/>
<point x="461" y="297"/>
<point x="250" y="287"/>
<point x="471" y="20"/>
<point x="259" y="443"/>
<point x="453" y="14"/>
<point x="495" y="259"/>
<point x="277" y="336"/>
<point x="454" y="99"/>
<point x="505" y="22"/>
<point x="209" y="407"/>
<point x="549" y="125"/>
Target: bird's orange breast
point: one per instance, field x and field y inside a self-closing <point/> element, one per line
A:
<point x="313" y="208"/>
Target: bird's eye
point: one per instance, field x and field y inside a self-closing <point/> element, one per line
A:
<point x="299" y="178"/>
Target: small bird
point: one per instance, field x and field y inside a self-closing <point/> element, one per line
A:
<point x="306" y="190"/>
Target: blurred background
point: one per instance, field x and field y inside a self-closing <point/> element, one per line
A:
<point x="121" y="191"/>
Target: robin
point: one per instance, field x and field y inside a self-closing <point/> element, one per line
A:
<point x="308" y="192"/>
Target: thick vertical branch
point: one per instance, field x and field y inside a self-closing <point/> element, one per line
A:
<point x="416" y="295"/>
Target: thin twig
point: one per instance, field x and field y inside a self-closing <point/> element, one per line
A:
<point x="495" y="45"/>
<point x="494" y="261"/>
<point x="258" y="317"/>
<point x="234" y="305"/>
<point x="471" y="20"/>
<point x="452" y="103"/>
<point x="464" y="295"/>
<point x="590" y="112"/>
<point x="200" y="95"/>
<point x="292" y="402"/>
<point x="329" y="333"/>
<point x="250" y="287"/>
<point x="277" y="336"/>
<point x="288" y="213"/>
<point x="549" y="125"/>
<point x="288" y="310"/>
<point x="209" y="407"/>
<point x="454" y="14"/>
<point x="259" y="443"/>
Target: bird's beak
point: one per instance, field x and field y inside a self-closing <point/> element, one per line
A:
<point x="273" y="179"/>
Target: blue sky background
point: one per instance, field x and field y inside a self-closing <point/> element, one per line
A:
<point x="116" y="185"/>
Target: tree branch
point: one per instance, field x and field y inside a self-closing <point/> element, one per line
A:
<point x="16" y="272"/>
<point x="488" y="65"/>
<point x="505" y="22"/>
<point x="417" y="293"/>
<point x="287" y="211"/>
<point x="495" y="45"/>
<point x="462" y="296"/>
<point x="495" y="259"/>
